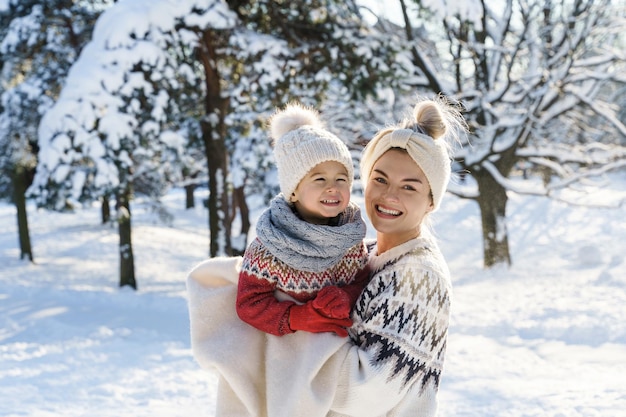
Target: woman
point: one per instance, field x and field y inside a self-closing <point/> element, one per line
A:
<point x="392" y="363"/>
<point x="401" y="318"/>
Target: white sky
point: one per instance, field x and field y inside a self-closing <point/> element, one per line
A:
<point x="471" y="9"/>
<point x="387" y="8"/>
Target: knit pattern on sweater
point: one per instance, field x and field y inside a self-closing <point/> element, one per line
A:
<point x="301" y="285"/>
<point x="402" y="315"/>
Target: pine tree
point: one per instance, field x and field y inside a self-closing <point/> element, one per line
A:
<point x="115" y="130"/>
<point x="39" y="40"/>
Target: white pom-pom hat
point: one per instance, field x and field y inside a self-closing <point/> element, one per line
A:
<point x="301" y="143"/>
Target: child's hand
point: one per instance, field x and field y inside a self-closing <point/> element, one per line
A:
<point x="306" y="317"/>
<point x="333" y="302"/>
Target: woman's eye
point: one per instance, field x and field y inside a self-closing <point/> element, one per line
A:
<point x="380" y="180"/>
<point x="409" y="187"/>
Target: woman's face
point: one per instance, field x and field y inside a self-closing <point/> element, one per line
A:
<point x="397" y="198"/>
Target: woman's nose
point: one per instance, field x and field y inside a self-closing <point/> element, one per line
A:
<point x="390" y="194"/>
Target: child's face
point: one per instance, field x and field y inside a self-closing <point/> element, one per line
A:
<point x="323" y="193"/>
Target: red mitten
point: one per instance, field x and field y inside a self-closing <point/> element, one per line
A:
<point x="306" y="317"/>
<point x="333" y="302"/>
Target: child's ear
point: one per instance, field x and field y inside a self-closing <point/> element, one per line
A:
<point x="293" y="198"/>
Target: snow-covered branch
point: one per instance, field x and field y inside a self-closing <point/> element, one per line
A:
<point x="519" y="187"/>
<point x="581" y="175"/>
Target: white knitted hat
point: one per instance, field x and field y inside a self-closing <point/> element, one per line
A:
<point x="431" y="155"/>
<point x="300" y="143"/>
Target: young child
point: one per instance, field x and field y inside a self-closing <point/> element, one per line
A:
<point x="307" y="266"/>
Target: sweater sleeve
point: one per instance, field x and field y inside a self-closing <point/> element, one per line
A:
<point x="256" y="303"/>
<point x="400" y="339"/>
<point x="360" y="270"/>
<point x="355" y="288"/>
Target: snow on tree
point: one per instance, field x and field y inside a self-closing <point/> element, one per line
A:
<point x="38" y="41"/>
<point x="158" y="74"/>
<point x="537" y="80"/>
<point x="115" y="129"/>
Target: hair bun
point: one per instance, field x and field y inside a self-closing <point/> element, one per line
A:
<point x="293" y="117"/>
<point x="430" y="118"/>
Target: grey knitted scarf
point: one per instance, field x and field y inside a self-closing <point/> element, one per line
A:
<point x="305" y="246"/>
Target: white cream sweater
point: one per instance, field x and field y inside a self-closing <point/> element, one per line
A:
<point x="391" y="367"/>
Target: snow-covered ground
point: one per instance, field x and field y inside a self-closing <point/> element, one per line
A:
<point x="546" y="337"/>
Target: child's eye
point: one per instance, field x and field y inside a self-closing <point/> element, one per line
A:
<point x="409" y="187"/>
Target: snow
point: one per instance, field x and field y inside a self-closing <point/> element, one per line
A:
<point x="91" y="108"/>
<point x="546" y="337"/>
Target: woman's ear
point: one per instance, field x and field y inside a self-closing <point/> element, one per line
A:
<point x="293" y="198"/>
<point x="431" y="206"/>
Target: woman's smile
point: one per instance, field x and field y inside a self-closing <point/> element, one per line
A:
<point x="385" y="211"/>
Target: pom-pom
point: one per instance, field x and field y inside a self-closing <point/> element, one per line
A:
<point x="294" y="116"/>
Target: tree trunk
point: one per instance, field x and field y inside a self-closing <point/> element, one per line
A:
<point x="219" y="226"/>
<point x="20" y="185"/>
<point x="492" y="202"/>
<point x="213" y="136"/>
<point x="127" y="261"/>
<point x="239" y="203"/>
<point x="105" y="210"/>
<point x="189" y="198"/>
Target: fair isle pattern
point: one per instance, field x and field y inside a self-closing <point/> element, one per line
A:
<point x="301" y="285"/>
<point x="403" y="314"/>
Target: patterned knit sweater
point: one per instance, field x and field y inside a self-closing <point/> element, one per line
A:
<point x="262" y="274"/>
<point x="400" y="332"/>
<point x="298" y="259"/>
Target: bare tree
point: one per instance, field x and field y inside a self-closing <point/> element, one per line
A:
<point x="530" y="75"/>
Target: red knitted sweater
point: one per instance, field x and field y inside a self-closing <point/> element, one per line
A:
<point x="262" y="274"/>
